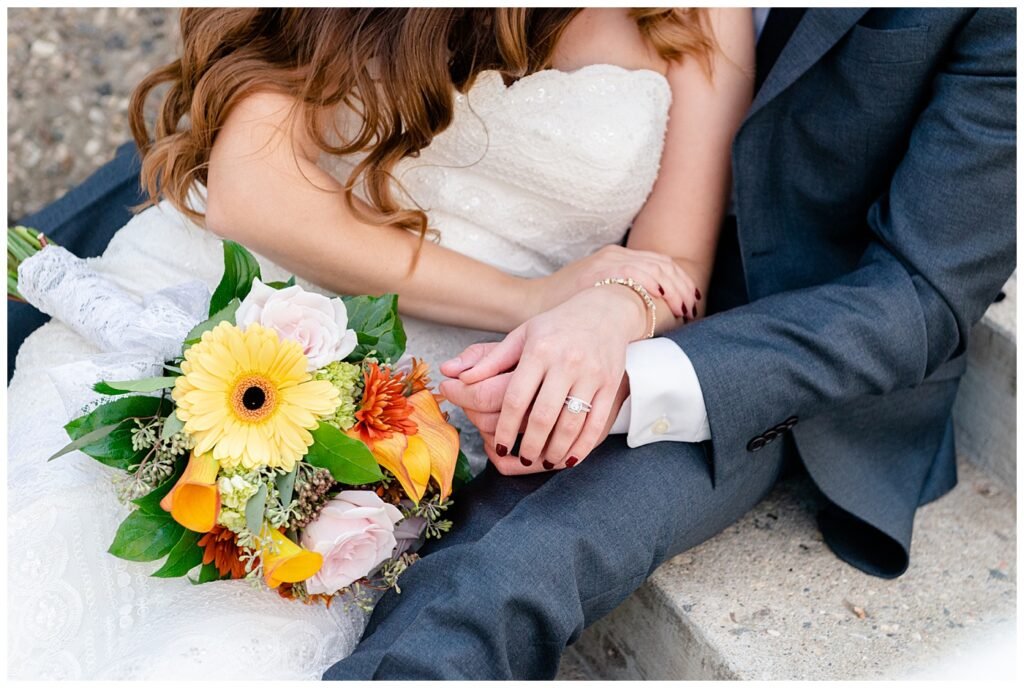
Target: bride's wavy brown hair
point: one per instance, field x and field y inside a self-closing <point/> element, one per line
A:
<point x="398" y="67"/>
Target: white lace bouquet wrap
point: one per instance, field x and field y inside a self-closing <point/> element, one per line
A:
<point x="135" y="338"/>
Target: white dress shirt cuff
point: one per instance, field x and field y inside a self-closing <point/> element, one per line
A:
<point x="666" y="403"/>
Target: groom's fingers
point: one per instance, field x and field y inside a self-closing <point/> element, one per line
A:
<point x="502" y="357"/>
<point x="467" y="359"/>
<point x="485" y="422"/>
<point x="484" y="396"/>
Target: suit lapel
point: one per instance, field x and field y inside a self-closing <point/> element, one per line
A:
<point x="817" y="32"/>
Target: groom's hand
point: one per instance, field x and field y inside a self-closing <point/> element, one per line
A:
<point x="481" y="401"/>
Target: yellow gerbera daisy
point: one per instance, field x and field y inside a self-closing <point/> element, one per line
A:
<point x="246" y="397"/>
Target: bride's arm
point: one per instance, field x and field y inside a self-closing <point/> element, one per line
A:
<point x="266" y="192"/>
<point x="683" y="214"/>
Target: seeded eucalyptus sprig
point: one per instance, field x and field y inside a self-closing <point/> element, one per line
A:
<point x="22" y="243"/>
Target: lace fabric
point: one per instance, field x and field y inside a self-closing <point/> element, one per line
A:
<point x="527" y="178"/>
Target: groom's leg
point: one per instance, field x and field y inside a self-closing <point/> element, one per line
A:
<point x="536" y="559"/>
<point x="83" y="221"/>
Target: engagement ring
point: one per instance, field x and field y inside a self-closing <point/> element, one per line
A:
<point x="577" y="405"/>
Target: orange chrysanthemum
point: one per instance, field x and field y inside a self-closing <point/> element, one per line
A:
<point x="384" y="409"/>
<point x="286" y="590"/>
<point x="220" y="548"/>
<point x="419" y="379"/>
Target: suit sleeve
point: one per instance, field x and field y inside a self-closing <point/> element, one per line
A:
<point x="943" y="244"/>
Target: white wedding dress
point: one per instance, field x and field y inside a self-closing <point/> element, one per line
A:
<point x="528" y="178"/>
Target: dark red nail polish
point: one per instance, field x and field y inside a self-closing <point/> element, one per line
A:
<point x="686" y="319"/>
<point x="661" y="289"/>
<point x="571" y="462"/>
<point x="525" y="461"/>
<point x="547" y="465"/>
<point x="696" y="292"/>
<point x="501" y="449"/>
<point x="694" y="310"/>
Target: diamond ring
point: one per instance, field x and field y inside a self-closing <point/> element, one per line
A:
<point x="577" y="405"/>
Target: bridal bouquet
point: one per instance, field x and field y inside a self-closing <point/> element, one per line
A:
<point x="290" y="442"/>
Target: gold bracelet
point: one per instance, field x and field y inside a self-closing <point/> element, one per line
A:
<point x="642" y="292"/>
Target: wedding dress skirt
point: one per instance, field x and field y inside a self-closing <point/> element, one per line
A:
<point x="527" y="178"/>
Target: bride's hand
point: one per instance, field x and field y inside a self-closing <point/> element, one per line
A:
<point x="576" y="349"/>
<point x="659" y="274"/>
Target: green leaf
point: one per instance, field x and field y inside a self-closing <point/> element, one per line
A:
<point x="115" y="448"/>
<point x="240" y="269"/>
<point x="145" y="537"/>
<point x="149" y="384"/>
<point x="286" y="485"/>
<point x="85" y="440"/>
<point x="254" y="510"/>
<point x="282" y="285"/>
<point x="377" y="326"/>
<point x="348" y="460"/>
<point x="225" y="313"/>
<point x="462" y="473"/>
<point x="172" y="426"/>
<point x="207" y="574"/>
<point x="183" y="557"/>
<point x="150" y="502"/>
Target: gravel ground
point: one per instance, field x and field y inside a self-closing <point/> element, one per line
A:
<point x="69" y="75"/>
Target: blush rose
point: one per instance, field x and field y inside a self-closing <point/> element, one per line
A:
<point x="354" y="533"/>
<point x="317" y="323"/>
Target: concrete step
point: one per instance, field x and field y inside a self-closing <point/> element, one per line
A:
<point x="986" y="406"/>
<point x="766" y="599"/>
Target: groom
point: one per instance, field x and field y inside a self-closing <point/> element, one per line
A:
<point x="874" y="196"/>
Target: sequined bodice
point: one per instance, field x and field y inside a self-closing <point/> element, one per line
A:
<point x="532" y="176"/>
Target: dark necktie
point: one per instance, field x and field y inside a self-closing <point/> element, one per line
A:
<point x="777" y="30"/>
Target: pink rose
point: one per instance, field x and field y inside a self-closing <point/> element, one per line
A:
<point x="317" y="323"/>
<point x="355" y="533"/>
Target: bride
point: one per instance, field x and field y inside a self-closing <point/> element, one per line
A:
<point x="484" y="164"/>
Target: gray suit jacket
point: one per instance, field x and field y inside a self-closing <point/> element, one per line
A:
<point x="875" y="185"/>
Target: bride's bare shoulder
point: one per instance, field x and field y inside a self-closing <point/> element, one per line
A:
<point x="600" y="35"/>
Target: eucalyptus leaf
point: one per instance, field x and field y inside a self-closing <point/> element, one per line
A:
<point x="172" y="426"/>
<point x="86" y="439"/>
<point x="149" y="384"/>
<point x="286" y="485"/>
<point x="254" y="510"/>
<point x="115" y="448"/>
<point x="240" y="269"/>
<point x="348" y="460"/>
<point x="145" y="537"/>
<point x="227" y="313"/>
<point x="183" y="557"/>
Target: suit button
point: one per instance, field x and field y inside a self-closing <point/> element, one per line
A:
<point x="756" y="444"/>
<point x="660" y="427"/>
<point x="770" y="435"/>
<point x="791" y="421"/>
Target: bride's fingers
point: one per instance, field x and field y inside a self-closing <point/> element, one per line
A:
<point x="569" y="425"/>
<point x="683" y="291"/>
<point x="467" y="359"/>
<point x="546" y="410"/>
<point x="522" y="389"/>
<point x="594" y="428"/>
<point x="655" y="286"/>
<point x="503" y="356"/>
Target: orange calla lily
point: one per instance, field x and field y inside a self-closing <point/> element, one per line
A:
<point x="431" y="452"/>
<point x="441" y="439"/>
<point x="194" y="501"/>
<point x="289" y="563"/>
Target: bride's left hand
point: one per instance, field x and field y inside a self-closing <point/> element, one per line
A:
<point x="575" y="349"/>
